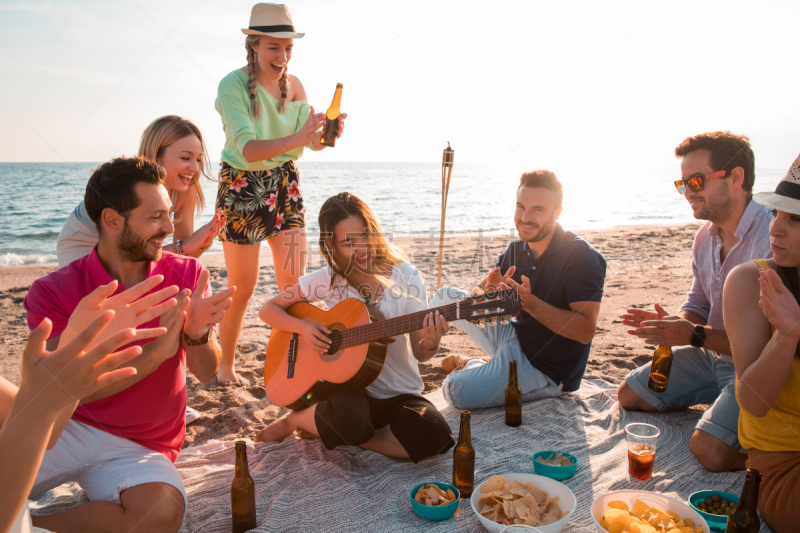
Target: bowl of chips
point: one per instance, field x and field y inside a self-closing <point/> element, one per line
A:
<point x="435" y="500"/>
<point x="714" y="506"/>
<point x="525" y="499"/>
<point x="555" y="465"/>
<point x="622" y="511"/>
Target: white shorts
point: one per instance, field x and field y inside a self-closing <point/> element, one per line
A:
<point x="104" y="465"/>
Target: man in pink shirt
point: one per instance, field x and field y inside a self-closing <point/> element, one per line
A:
<point x="122" y="441"/>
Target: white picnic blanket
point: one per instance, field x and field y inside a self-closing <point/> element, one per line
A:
<point x="301" y="486"/>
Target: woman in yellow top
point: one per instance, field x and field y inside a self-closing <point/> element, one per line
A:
<point x="762" y="317"/>
<point x="267" y="122"/>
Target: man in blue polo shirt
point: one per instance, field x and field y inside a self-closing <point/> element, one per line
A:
<point x="560" y="279"/>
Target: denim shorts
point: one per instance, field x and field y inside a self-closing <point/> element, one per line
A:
<point x="696" y="378"/>
<point x="481" y="384"/>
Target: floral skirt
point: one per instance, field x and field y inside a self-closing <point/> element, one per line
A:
<point x="260" y="203"/>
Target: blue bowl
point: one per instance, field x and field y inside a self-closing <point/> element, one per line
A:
<point x="558" y="473"/>
<point x="715" y="521"/>
<point x="440" y="512"/>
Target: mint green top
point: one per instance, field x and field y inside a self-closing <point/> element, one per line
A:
<point x="233" y="105"/>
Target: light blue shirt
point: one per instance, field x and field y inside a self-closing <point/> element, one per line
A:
<point x="705" y="296"/>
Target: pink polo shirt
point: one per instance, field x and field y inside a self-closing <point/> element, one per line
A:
<point x="152" y="411"/>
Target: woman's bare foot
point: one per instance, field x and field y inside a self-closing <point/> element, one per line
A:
<point x="276" y="431"/>
<point x="303" y="434"/>
<point x="227" y="377"/>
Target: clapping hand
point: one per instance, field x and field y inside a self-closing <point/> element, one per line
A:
<point x="74" y="371"/>
<point x="130" y="311"/>
<point x="204" y="237"/>
<point x="495" y="280"/>
<point x="203" y="312"/>
<point x="778" y="304"/>
<point x="524" y="291"/>
<point x="659" y="327"/>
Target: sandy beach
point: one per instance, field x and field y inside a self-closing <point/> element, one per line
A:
<point x="646" y="264"/>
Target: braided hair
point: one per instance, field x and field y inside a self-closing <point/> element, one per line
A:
<point x="250" y="43"/>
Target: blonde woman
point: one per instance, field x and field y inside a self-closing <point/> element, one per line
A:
<point x="177" y="145"/>
<point x="390" y="416"/>
<point x="267" y="122"/>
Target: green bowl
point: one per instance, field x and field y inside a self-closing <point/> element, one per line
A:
<point x="440" y="512"/>
<point x="715" y="521"/>
<point x="558" y="473"/>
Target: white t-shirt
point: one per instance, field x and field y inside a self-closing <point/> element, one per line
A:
<point x="400" y="373"/>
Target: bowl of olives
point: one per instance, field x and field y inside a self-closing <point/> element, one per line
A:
<point x="714" y="506"/>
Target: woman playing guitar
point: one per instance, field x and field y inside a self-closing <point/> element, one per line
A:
<point x="390" y="416"/>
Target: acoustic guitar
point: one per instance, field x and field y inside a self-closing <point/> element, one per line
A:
<point x="297" y="376"/>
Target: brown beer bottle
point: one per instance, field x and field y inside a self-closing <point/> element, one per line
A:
<point x="331" y="129"/>
<point x="659" y="369"/>
<point x="513" y="397"/>
<point x="464" y="459"/>
<point x="243" y="493"/>
<point x="744" y="518"/>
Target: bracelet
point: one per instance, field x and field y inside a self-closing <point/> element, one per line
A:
<point x="430" y="349"/>
<point x="178" y="247"/>
<point x="197" y="342"/>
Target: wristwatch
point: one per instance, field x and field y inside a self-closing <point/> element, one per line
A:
<point x="197" y="342"/>
<point x="698" y="337"/>
<point x="178" y="247"/>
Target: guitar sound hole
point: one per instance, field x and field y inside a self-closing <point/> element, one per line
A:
<point x="336" y="342"/>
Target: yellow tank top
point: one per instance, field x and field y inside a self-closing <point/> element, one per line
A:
<point x="779" y="430"/>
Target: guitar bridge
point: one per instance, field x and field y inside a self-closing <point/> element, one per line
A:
<point x="292" y="355"/>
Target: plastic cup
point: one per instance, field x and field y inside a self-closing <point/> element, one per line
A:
<point x="641" y="449"/>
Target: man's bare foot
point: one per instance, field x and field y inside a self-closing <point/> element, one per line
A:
<point x="277" y="431"/>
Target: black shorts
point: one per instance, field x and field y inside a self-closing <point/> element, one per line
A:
<point x="350" y="416"/>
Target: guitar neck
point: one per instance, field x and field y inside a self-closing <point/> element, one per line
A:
<point x="393" y="327"/>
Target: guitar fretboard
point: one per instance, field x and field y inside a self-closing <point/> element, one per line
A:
<point x="406" y="323"/>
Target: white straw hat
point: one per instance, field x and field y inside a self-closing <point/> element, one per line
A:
<point x="787" y="194"/>
<point x="273" y="20"/>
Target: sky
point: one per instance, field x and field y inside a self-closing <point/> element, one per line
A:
<point x="598" y="85"/>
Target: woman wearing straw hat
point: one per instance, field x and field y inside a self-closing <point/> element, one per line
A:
<point x="761" y="304"/>
<point x="267" y="122"/>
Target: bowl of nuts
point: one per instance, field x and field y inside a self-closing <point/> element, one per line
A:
<point x="714" y="506"/>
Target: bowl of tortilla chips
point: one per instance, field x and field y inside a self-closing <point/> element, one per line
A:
<point x="525" y="499"/>
<point x="555" y="465"/>
<point x="435" y="500"/>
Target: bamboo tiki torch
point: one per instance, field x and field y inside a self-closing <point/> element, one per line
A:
<point x="447" y="171"/>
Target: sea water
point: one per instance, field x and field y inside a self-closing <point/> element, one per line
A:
<point x="406" y="197"/>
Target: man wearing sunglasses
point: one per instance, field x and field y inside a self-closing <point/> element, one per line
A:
<point x="717" y="176"/>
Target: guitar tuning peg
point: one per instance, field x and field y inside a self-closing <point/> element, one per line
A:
<point x="478" y="323"/>
<point x="504" y="321"/>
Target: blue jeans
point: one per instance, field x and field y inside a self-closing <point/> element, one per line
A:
<point x="481" y="384"/>
<point x="696" y="377"/>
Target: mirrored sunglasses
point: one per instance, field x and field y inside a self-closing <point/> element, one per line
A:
<point x="696" y="182"/>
